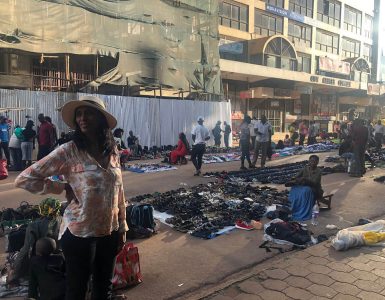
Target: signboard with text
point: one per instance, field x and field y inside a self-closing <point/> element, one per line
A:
<point x="328" y="64"/>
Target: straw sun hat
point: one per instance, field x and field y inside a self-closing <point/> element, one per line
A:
<point x="69" y="108"/>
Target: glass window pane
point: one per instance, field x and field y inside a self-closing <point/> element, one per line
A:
<point x="272" y="23"/>
<point x="279" y="25"/>
<point x="235" y="12"/>
<point x="226" y="9"/>
<point x="244" y="16"/>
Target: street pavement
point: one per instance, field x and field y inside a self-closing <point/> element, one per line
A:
<point x="176" y="265"/>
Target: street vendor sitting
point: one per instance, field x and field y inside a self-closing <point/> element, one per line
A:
<point x="306" y="189"/>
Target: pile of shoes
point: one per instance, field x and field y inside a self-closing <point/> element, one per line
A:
<point x="149" y="168"/>
<point x="221" y="158"/>
<point x="206" y="208"/>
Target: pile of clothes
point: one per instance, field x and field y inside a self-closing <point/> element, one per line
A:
<point x="149" y="168"/>
<point x="275" y="174"/>
<point x="315" y="148"/>
<point x="206" y="209"/>
<point x="221" y="158"/>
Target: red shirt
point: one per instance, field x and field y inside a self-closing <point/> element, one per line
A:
<point x="45" y="134"/>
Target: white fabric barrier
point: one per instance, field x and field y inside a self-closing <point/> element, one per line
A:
<point x="155" y="121"/>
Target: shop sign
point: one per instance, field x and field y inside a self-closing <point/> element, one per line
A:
<point x="373" y="89"/>
<point x="230" y="47"/>
<point x="245" y="94"/>
<point x="274" y="103"/>
<point x="344" y="83"/>
<point x="333" y="65"/>
<point x="236" y="115"/>
<point x="285" y="13"/>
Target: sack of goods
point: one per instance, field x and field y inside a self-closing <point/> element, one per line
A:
<point x="140" y="220"/>
<point x="287" y="233"/>
<point x="372" y="234"/>
<point x="127" y="268"/>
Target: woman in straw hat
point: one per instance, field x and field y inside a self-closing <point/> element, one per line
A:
<point x="94" y="223"/>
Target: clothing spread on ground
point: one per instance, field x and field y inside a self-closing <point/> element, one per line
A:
<point x="149" y="168"/>
<point x="221" y="158"/>
<point x="207" y="210"/>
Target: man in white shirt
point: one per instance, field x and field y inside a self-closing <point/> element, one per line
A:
<point x="379" y="134"/>
<point x="253" y="135"/>
<point x="263" y="139"/>
<point x="200" y="134"/>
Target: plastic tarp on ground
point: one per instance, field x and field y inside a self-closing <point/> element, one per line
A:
<point x="156" y="121"/>
<point x="158" y="42"/>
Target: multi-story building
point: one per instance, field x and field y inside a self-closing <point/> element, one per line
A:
<point x="298" y="59"/>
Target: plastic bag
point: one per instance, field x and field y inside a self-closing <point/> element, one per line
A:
<point x="360" y="236"/>
<point x="127" y="267"/>
<point x="3" y="169"/>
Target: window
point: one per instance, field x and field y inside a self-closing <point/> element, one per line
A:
<point x="350" y="48"/>
<point x="304" y="62"/>
<point x="303" y="7"/>
<point x="278" y="3"/>
<point x="329" y="11"/>
<point x="266" y="24"/>
<point x="299" y="33"/>
<point x="368" y="27"/>
<point x="352" y="20"/>
<point x="279" y="53"/>
<point x="367" y="52"/>
<point x="234" y="16"/>
<point x="327" y="42"/>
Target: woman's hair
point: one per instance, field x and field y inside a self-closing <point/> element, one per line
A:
<point x="183" y="138"/>
<point x="104" y="136"/>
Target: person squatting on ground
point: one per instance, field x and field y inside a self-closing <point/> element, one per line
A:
<point x="94" y="223"/>
<point x="217" y="134"/>
<point x="200" y="135"/>
<point x="183" y="148"/>
<point x="263" y="139"/>
<point x="226" y="135"/>
<point x="46" y="278"/>
<point x="4" y="139"/>
<point x="28" y="143"/>
<point x="244" y="141"/>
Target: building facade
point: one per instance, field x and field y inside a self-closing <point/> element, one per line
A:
<point x="298" y="59"/>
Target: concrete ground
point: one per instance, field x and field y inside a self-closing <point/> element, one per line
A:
<point x="176" y="265"/>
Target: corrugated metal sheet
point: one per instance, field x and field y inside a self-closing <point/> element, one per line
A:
<point x="155" y="121"/>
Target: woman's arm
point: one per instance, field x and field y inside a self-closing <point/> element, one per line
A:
<point x="35" y="178"/>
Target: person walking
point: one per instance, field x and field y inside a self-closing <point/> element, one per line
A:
<point x="217" y="134"/>
<point x="262" y="141"/>
<point x="378" y="134"/>
<point x="94" y="223"/>
<point x="244" y="141"/>
<point x="4" y="139"/>
<point x="227" y="132"/>
<point x="15" y="148"/>
<point x="44" y="137"/>
<point x="200" y="135"/>
<point x="253" y="135"/>
<point x="360" y="136"/>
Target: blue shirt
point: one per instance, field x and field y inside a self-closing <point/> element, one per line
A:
<point x="4" y="135"/>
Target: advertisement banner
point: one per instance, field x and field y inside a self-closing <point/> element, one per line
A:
<point x="374" y="89"/>
<point x="328" y="64"/>
<point x="230" y="47"/>
<point x="285" y="13"/>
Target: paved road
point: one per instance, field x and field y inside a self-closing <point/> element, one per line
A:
<point x="174" y="263"/>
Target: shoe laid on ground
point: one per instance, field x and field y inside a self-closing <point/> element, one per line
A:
<point x="243" y="168"/>
<point x="251" y="167"/>
<point x="243" y="225"/>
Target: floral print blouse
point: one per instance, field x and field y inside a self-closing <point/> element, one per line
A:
<point x="100" y="207"/>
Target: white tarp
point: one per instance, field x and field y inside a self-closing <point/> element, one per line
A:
<point x="156" y="121"/>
